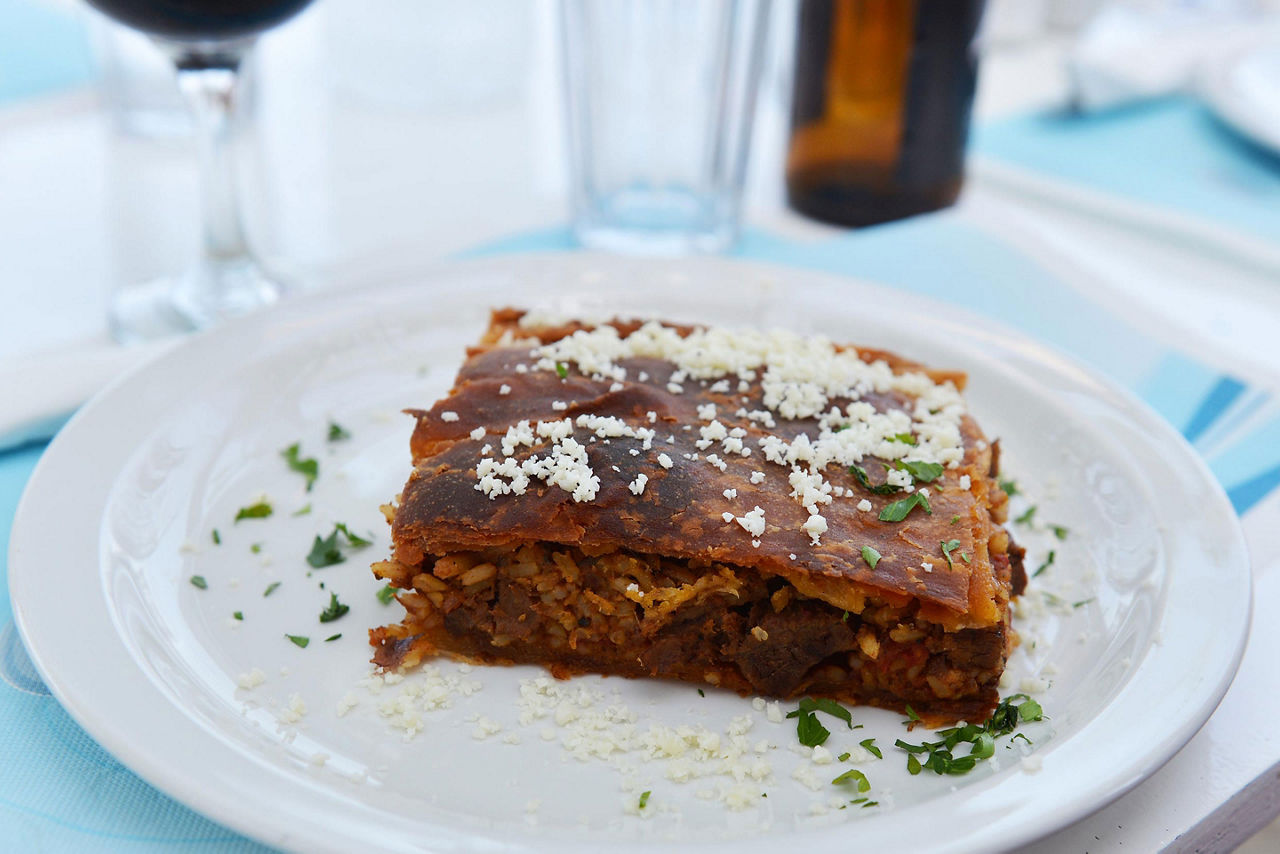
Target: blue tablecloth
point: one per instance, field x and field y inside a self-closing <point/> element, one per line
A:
<point x="59" y="791"/>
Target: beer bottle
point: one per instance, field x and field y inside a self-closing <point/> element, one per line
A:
<point x="880" y="109"/>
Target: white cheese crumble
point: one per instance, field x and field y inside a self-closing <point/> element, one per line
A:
<point x="864" y="505"/>
<point x="731" y="494"/>
<point x="293" y="712"/>
<point x="815" y="526"/>
<point x="664" y="461"/>
<point x="504" y="389"/>
<point x="757" y="477"/>
<point x="753" y="522"/>
<point x="448" y="415"/>
<point x="637" y="486"/>
<point x="965" y="481"/>
<point x="252" y="679"/>
<point x="477" y="433"/>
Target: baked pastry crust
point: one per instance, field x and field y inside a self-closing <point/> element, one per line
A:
<point x="696" y="556"/>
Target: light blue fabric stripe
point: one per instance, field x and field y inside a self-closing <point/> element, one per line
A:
<point x="43" y="49"/>
<point x="1224" y="392"/>
<point x="1171" y="154"/>
<point x="1249" y="457"/>
<point x="1177" y="387"/>
<point x="1247" y="494"/>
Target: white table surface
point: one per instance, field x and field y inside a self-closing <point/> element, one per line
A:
<point x="351" y="168"/>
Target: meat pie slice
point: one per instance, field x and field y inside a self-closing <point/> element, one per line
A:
<point x="765" y="512"/>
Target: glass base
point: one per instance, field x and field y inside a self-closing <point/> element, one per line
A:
<point x="646" y="221"/>
<point x="195" y="301"/>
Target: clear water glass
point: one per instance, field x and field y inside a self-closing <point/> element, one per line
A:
<point x="660" y="98"/>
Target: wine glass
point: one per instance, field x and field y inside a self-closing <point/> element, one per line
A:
<point x="207" y="40"/>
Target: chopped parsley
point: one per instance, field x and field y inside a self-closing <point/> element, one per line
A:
<point x="337" y="433"/>
<point x="843" y="757"/>
<point x="869" y="745"/>
<point x="701" y="693"/>
<point x="335" y="609"/>
<point x="302" y="511"/>
<point x="644" y="798"/>
<point x="354" y="540"/>
<point x="198" y="581"/>
<point x="562" y="371"/>
<point x="900" y="509"/>
<point x="333" y="637"/>
<point x="1027" y="516"/>
<point x="855" y="776"/>
<point x="912" y="717"/>
<point x="940" y="757"/>
<point x="271" y="588"/>
<point x="904" y="438"/>
<point x="948" y="546"/>
<point x="325" y="551"/>
<point x="1048" y="562"/>
<point x="809" y="730"/>
<point x="308" y="467"/>
<point x="299" y="640"/>
<point x="256" y="548"/>
<point x="1082" y="602"/>
<point x="920" y="472"/>
<point x="239" y="615"/>
<point x="1010" y="487"/>
<point x="1059" y="531"/>
<point x="261" y="510"/>
<point x="955" y="520"/>
<point x="871" y="556"/>
<point x="860" y="475"/>
<point x="386" y="594"/>
<point x="217" y="538"/>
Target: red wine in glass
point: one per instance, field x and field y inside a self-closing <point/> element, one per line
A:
<point x="207" y="40"/>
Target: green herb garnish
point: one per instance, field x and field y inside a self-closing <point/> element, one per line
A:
<point x="198" y="581"/>
<point x="335" y="610"/>
<point x="239" y="615"/>
<point x="1048" y="562"/>
<point x="256" y="548"/>
<point x="900" y="509"/>
<point x="869" y="745"/>
<point x="308" y="467"/>
<point x="355" y="541"/>
<point x="324" y="551"/>
<point x="904" y="438"/>
<point x="701" y="693"/>
<point x="920" y="472"/>
<point x="808" y="705"/>
<point x="860" y="475"/>
<point x="271" y="588"/>
<point x="386" y="594"/>
<point x="856" y="776"/>
<point x="964" y="556"/>
<point x="562" y="371"/>
<point x="1059" y="531"/>
<point x="948" y="546"/>
<point x="644" y="798"/>
<point x="1027" y="516"/>
<point x="843" y="757"/>
<point x="955" y="520"/>
<point x="1082" y="602"/>
<point x="333" y="637"/>
<point x="261" y="510"/>
<point x="302" y="511"/>
<point x="299" y="640"/>
<point x="1010" y="487"/>
<point x="871" y="556"/>
<point x="217" y="538"/>
<point x="912" y="717"/>
<point x="940" y="756"/>
<point x="337" y="433"/>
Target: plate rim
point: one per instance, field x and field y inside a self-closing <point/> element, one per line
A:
<point x="225" y="810"/>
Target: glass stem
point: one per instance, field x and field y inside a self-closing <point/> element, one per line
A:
<point x="211" y="93"/>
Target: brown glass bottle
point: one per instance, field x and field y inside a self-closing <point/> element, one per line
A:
<point x="880" y="112"/>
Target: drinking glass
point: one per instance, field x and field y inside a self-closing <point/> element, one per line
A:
<point x="660" y="98"/>
<point x="207" y="41"/>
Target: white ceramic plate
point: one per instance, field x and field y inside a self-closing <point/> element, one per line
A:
<point x="119" y="513"/>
